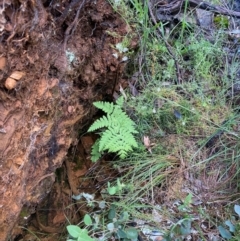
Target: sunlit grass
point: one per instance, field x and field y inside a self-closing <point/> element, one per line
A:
<point x="192" y="127"/>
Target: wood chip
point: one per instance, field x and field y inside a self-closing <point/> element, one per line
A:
<point x="3" y="63"/>
<point x="17" y="75"/>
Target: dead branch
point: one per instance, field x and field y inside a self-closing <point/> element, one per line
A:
<point x="175" y="6"/>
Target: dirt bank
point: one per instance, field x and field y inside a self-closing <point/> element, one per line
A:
<point x="56" y="58"/>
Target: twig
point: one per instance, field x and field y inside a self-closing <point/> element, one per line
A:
<point x="168" y="46"/>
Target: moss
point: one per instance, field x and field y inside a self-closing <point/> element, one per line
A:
<point x="221" y="21"/>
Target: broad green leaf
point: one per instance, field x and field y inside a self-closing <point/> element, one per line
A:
<point x="224" y="232"/>
<point x="112" y="190"/>
<point x="112" y="213"/>
<point x="87" y="220"/>
<point x="120" y="185"/>
<point x="188" y="199"/>
<point x="237" y="209"/>
<point x="132" y="233"/>
<point x="185" y="227"/>
<point x="74" y="230"/>
<point x="85" y="237"/>
<point x="230" y="225"/>
<point x="110" y="226"/>
<point x="121" y="233"/>
<point x="124" y="216"/>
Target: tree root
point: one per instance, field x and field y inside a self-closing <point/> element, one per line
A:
<point x="71" y="28"/>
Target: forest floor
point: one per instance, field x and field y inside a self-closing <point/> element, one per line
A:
<point x="176" y="63"/>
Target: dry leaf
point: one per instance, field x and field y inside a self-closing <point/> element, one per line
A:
<point x="122" y="92"/>
<point x="147" y="143"/>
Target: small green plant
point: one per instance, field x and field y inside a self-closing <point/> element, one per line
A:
<point x="186" y="203"/>
<point x="116" y="226"/>
<point x="182" y="228"/>
<point x="116" y="189"/>
<point x="105" y="224"/>
<point x="78" y="234"/>
<point x="116" y="133"/>
<point x="232" y="232"/>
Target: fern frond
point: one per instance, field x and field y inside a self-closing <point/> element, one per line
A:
<point x="104" y="106"/>
<point x="100" y="123"/>
<point x="128" y="138"/>
<point x="122" y="154"/>
<point x="124" y="121"/>
<point x="105" y="139"/>
<point x="118" y="135"/>
<point x="95" y="153"/>
<point x="118" y="142"/>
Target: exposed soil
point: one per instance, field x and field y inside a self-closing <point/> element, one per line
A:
<point x="63" y="54"/>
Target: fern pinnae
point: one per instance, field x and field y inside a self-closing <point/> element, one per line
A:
<point x="124" y="121"/>
<point x="105" y="138"/>
<point x="117" y="136"/>
<point x="95" y="153"/>
<point x="114" y="143"/>
<point x="104" y="106"/>
<point x="129" y="139"/>
<point x="100" y="123"/>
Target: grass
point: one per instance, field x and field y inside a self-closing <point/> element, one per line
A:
<point x="185" y="184"/>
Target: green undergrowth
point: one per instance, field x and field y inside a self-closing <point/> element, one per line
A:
<point x="181" y="180"/>
<point x="117" y="130"/>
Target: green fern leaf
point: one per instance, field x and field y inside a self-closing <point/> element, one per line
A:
<point x="128" y="138"/>
<point x="104" y="139"/>
<point x="114" y="143"/>
<point x="122" y="154"/>
<point x="124" y="121"/>
<point x="117" y="137"/>
<point x="100" y="123"/>
<point x="95" y="153"/>
<point x="104" y="106"/>
<point x="120" y="142"/>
